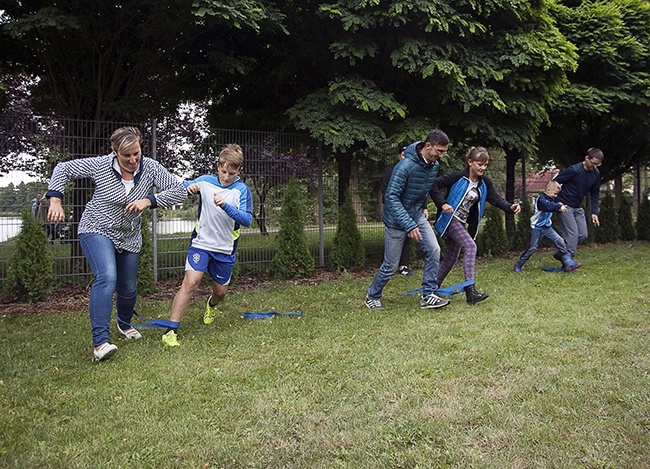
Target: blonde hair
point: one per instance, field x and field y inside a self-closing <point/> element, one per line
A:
<point x="125" y="138"/>
<point x="231" y="155"/>
<point x="479" y="154"/>
<point x="553" y="186"/>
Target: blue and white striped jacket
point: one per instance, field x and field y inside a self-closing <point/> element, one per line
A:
<point x="104" y="213"/>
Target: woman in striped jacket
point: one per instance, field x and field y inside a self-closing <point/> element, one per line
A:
<point x="109" y="229"/>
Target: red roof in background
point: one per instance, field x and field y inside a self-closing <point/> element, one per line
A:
<point x="536" y="183"/>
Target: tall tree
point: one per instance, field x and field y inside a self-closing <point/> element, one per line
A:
<point x="606" y="104"/>
<point x="129" y="59"/>
<point x="371" y="71"/>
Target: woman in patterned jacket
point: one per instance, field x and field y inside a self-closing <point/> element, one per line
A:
<point x="109" y="229"/>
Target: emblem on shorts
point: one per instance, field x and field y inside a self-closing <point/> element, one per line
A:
<point x="196" y="258"/>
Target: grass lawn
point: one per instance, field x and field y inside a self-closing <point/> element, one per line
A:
<point x="553" y="370"/>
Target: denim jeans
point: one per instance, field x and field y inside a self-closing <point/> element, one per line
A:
<point x="114" y="272"/>
<point x="573" y="225"/>
<point x="393" y="242"/>
<point x="536" y="237"/>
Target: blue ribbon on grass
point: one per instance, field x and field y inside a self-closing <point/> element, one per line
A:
<point x="270" y="314"/>
<point x="557" y="270"/>
<point x="151" y="323"/>
<point x="449" y="291"/>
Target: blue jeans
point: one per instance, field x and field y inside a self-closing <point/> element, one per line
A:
<point x="573" y="225"/>
<point x="536" y="237"/>
<point x="393" y="242"/>
<point x="114" y="272"/>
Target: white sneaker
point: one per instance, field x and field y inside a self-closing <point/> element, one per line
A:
<point x="433" y="301"/>
<point x="105" y="351"/>
<point x="130" y="333"/>
<point x="373" y="303"/>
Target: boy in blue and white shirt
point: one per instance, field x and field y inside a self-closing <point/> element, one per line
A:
<point x="225" y="205"/>
<point x="541" y="223"/>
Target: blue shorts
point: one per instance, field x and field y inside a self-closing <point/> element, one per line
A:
<point x="208" y="261"/>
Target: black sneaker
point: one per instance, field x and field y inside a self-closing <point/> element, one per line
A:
<point x="405" y="271"/>
<point x="433" y="301"/>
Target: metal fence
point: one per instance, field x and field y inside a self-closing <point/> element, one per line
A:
<point x="270" y="158"/>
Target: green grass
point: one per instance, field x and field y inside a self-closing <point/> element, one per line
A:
<point x="551" y="371"/>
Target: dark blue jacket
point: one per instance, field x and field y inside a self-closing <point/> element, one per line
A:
<point x="458" y="182"/>
<point x="576" y="182"/>
<point x="545" y="205"/>
<point x="408" y="189"/>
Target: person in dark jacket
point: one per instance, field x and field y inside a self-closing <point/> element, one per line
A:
<point x="403" y="217"/>
<point x="577" y="181"/>
<point x="403" y="268"/>
<point x="461" y="211"/>
<point x="541" y="227"/>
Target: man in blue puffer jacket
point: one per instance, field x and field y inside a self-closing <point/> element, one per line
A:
<point x="404" y="216"/>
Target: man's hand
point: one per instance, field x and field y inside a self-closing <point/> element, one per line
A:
<point x="595" y="220"/>
<point x="415" y="234"/>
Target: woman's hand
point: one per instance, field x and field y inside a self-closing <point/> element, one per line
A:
<point x="138" y="206"/>
<point x="55" y="213"/>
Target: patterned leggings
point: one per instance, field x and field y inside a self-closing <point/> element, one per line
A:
<point x="458" y="238"/>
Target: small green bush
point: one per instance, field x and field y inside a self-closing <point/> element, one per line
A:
<point x="609" y="231"/>
<point x="30" y="275"/>
<point x="626" y="221"/>
<point x="347" y="250"/>
<point x="522" y="230"/>
<point x="495" y="240"/>
<point x="643" y="219"/>
<point x="146" y="285"/>
<point x="292" y="258"/>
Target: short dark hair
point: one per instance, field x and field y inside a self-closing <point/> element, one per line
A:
<point x="595" y="153"/>
<point x="437" y="137"/>
<point x="400" y="148"/>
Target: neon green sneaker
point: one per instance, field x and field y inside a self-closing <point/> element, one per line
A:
<point x="170" y="339"/>
<point x="210" y="312"/>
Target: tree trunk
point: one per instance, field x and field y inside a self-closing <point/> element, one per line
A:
<point x="354" y="189"/>
<point x="512" y="157"/>
<point x="344" y="162"/>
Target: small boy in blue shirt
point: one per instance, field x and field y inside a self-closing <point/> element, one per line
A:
<point x="540" y="223"/>
<point x="225" y="204"/>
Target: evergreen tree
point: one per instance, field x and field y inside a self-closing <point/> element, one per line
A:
<point x="609" y="231"/>
<point x="643" y="219"/>
<point x="495" y="241"/>
<point x="347" y="251"/>
<point x="146" y="284"/>
<point x="30" y="275"/>
<point x="292" y="258"/>
<point x="626" y="222"/>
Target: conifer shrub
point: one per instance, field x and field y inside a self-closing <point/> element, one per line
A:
<point x="146" y="285"/>
<point x="609" y="231"/>
<point x="643" y="219"/>
<point x="494" y="239"/>
<point x="292" y="257"/>
<point x="30" y="274"/>
<point x="347" y="248"/>
<point x="626" y="221"/>
<point x="522" y="227"/>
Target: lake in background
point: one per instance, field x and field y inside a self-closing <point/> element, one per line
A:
<point x="10" y="227"/>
